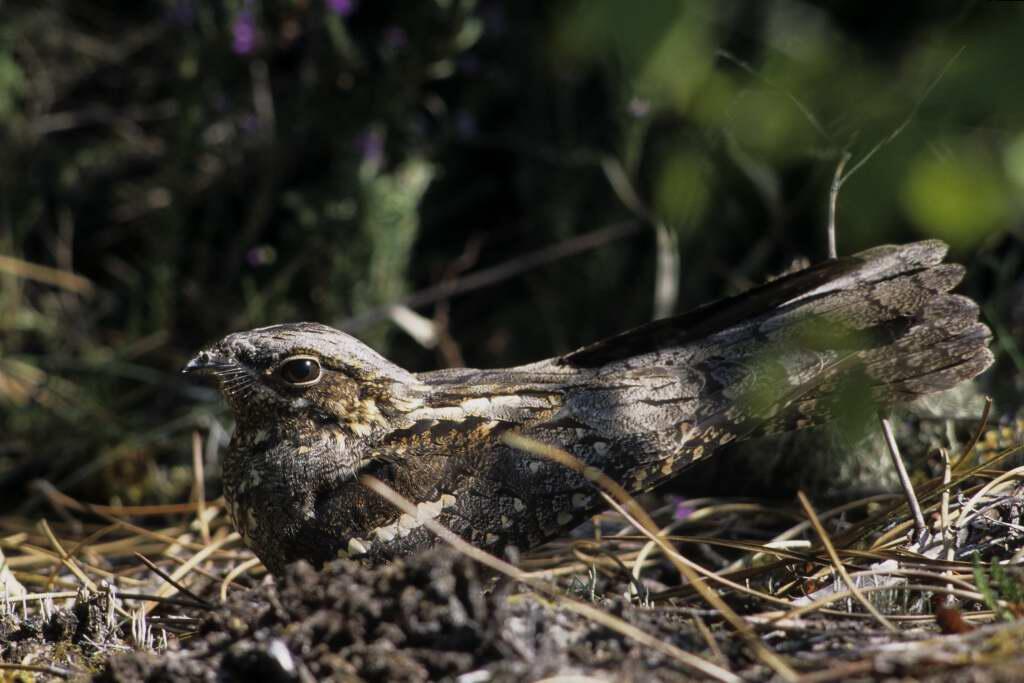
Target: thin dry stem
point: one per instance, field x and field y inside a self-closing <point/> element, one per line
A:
<point x="833" y="203"/>
<point x="174" y="582"/>
<point x="199" y="486"/>
<point x="235" y="572"/>
<point x="620" y="499"/>
<point x="908" y="487"/>
<point x="838" y="564"/>
<point x="589" y="611"/>
<point x="982" y="424"/>
<point x="66" y="559"/>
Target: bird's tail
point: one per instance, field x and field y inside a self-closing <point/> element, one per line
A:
<point x="845" y="337"/>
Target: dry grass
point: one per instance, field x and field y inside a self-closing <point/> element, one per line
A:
<point x="741" y="570"/>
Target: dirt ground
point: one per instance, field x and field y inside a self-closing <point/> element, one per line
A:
<point x="438" y="617"/>
<point x="441" y="616"/>
<point x="432" y="617"/>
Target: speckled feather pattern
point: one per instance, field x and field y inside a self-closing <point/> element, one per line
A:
<point x="640" y="406"/>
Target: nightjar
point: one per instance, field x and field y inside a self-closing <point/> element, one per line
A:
<point x="315" y="408"/>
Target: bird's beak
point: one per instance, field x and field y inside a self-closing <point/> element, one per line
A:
<point x="207" y="362"/>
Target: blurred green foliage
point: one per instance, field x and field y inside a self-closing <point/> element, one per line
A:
<point x="1000" y="585"/>
<point x="213" y="166"/>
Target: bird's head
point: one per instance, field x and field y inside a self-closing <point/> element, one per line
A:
<point x="304" y="370"/>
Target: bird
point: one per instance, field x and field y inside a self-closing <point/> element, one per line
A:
<point x="315" y="409"/>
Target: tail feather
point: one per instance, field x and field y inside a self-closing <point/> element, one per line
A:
<point x="850" y="336"/>
<point x="878" y="284"/>
<point x="879" y="344"/>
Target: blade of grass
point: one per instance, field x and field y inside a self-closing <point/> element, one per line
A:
<point x="982" y="424"/>
<point x="174" y="582"/>
<point x="235" y="572"/>
<point x="619" y="498"/>
<point x="838" y="564"/>
<point x="687" y="659"/>
<point x="199" y="487"/>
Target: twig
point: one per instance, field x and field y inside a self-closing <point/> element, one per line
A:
<point x="709" y="638"/>
<point x="908" y="487"/>
<point x="839" y="179"/>
<point x="932" y="490"/>
<point x="599" y="478"/>
<point x="619" y="498"/>
<point x="622" y="186"/>
<point x="840" y="671"/>
<point x="238" y="570"/>
<point x="804" y="109"/>
<point x="910" y="117"/>
<point x="666" y="278"/>
<point x="833" y="203"/>
<point x="495" y="274"/>
<point x="838" y="564"/>
<point x="89" y="540"/>
<point x="57" y="498"/>
<point x="947" y="538"/>
<point x="47" y="275"/>
<point x="193" y="561"/>
<point x="174" y="582"/>
<point x="420" y="328"/>
<point x="156" y="535"/>
<point x="199" y="569"/>
<point x="50" y="595"/>
<point x="666" y="282"/>
<point x="199" y="486"/>
<point x="39" y="668"/>
<point x="176" y="602"/>
<point x="689" y="570"/>
<point x="35" y="556"/>
<point x="66" y="559"/>
<point x="982" y="424"/>
<point x="916" y="587"/>
<point x="965" y="513"/>
<point x="589" y="611"/>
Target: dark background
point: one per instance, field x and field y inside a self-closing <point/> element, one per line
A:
<point x="214" y="166"/>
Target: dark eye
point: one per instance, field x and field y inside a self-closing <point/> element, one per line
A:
<point x="300" y="371"/>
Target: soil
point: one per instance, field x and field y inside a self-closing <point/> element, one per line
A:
<point x="431" y="617"/>
<point x="437" y="617"/>
<point x="440" y="616"/>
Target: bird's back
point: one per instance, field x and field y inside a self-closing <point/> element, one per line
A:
<point x="848" y="336"/>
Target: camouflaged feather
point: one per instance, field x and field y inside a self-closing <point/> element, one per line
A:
<point x="876" y="328"/>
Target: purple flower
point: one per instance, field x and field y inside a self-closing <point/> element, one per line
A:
<point x="262" y="255"/>
<point x="682" y="511"/>
<point x="342" y="8"/>
<point x="243" y="33"/>
<point x="371" y="147"/>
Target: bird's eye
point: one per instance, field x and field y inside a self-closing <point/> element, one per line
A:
<point x="300" y="371"/>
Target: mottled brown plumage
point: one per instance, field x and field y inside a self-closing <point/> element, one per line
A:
<point x="315" y="408"/>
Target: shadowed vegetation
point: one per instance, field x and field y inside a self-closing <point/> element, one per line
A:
<point x="527" y="177"/>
